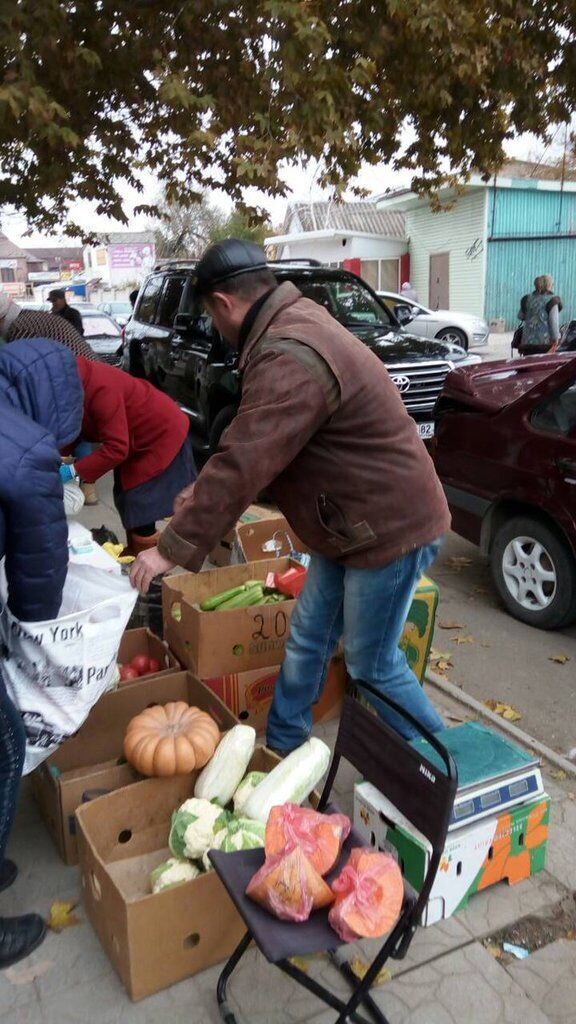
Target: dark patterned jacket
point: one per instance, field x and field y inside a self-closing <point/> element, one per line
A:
<point x="32" y="323"/>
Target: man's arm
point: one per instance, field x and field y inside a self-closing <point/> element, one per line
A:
<point x="284" y="402"/>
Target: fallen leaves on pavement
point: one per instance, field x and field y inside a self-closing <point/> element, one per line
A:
<point x="440" y="660"/>
<point x="560" y="659"/>
<point x="62" y="916"/>
<point x="359" y="968"/>
<point x="462" y="639"/>
<point x="448" y="624"/>
<point x="459" y="561"/>
<point x="560" y="775"/>
<point x="507" y="711"/>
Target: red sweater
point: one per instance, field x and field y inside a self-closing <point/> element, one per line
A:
<point x="138" y="428"/>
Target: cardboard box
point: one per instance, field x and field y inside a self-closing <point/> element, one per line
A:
<point x="419" y="629"/>
<point x="156" y="940"/>
<point x="144" y="641"/>
<point x="217" y="643"/>
<point x="261" y="532"/>
<point x="511" y="846"/>
<point x="249" y="694"/>
<point x="93" y="758"/>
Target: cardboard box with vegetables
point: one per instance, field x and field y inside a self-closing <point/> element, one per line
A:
<point x="147" y="874"/>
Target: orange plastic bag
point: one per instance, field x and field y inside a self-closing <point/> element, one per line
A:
<point x="319" y="836"/>
<point x="289" y="886"/>
<point x="369" y="894"/>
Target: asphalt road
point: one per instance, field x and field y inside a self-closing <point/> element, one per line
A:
<point x="504" y="660"/>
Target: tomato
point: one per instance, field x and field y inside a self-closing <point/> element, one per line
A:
<point x="155" y="665"/>
<point x="141" y="663"/>
<point x="128" y="672"/>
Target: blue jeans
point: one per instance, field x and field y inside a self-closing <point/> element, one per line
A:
<point x="12" y="746"/>
<point x="368" y="609"/>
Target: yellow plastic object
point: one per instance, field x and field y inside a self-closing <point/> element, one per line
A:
<point x="116" y="551"/>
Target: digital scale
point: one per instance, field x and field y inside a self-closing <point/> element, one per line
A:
<point x="493" y="773"/>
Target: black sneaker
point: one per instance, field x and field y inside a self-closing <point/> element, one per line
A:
<point x="19" y="936"/>
<point x="8" y="874"/>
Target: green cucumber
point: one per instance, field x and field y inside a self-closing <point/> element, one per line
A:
<point x="252" y="595"/>
<point x="211" y="603"/>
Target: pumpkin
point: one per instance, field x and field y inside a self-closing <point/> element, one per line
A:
<point x="320" y="836"/>
<point x="289" y="887"/>
<point x="173" y="739"/>
<point x="369" y="895"/>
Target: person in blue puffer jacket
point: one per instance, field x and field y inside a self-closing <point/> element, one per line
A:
<point x="40" y="412"/>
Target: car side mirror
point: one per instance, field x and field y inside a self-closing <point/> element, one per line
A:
<point x="188" y="323"/>
<point x="404" y="314"/>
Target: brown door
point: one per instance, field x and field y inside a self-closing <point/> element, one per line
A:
<point x="440" y="281"/>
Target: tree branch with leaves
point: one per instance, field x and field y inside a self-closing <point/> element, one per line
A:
<point x="217" y="94"/>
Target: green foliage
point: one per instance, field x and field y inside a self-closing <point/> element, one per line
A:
<point x="219" y="94"/>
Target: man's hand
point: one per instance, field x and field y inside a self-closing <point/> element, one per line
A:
<point x="148" y="565"/>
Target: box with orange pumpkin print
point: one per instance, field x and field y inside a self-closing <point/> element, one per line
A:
<point x="509" y="846"/>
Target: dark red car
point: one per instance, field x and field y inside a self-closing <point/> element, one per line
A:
<point x="505" y="450"/>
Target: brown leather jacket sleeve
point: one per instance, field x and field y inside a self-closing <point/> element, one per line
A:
<point x="283" y="404"/>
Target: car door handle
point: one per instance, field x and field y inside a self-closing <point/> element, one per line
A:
<point x="567" y="466"/>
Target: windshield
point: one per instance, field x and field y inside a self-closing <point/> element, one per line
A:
<point x="99" y="326"/>
<point x="347" y="300"/>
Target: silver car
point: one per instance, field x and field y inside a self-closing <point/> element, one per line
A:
<point x="463" y="329"/>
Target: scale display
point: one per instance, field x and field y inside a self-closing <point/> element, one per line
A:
<point x="493" y="772"/>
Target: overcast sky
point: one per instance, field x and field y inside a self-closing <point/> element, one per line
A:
<point x="300" y="180"/>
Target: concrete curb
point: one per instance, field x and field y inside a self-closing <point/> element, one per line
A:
<point x="500" y="723"/>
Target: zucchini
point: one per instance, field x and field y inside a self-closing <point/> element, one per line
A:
<point x="252" y="595"/>
<point x="211" y="603"/>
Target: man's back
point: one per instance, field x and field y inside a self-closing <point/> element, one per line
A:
<point x="73" y="316"/>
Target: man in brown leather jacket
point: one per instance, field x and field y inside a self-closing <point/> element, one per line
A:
<point x="322" y="427"/>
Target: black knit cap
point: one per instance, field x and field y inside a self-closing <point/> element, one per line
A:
<point x="223" y="260"/>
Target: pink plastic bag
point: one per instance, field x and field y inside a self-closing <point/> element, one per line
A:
<point x="289" y="887"/>
<point x="319" y="836"/>
<point x="369" y="895"/>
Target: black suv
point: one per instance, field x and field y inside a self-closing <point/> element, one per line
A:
<point x="172" y="343"/>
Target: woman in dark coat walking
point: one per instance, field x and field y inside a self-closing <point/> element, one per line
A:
<point x="40" y="410"/>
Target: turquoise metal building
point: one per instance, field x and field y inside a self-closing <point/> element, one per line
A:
<point x="531" y="231"/>
<point x="482" y="250"/>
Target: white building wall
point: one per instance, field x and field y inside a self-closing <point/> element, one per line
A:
<point x="336" y="250"/>
<point x="461" y="231"/>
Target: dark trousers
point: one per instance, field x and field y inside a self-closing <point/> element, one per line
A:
<point x="12" y="744"/>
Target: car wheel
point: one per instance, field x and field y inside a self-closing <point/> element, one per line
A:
<point x="222" y="420"/>
<point x="453" y="335"/>
<point x="535" y="573"/>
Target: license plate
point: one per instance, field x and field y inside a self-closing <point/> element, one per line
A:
<point x="426" y="429"/>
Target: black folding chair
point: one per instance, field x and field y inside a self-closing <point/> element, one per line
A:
<point x="422" y="792"/>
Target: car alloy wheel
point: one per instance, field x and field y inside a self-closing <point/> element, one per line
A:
<point x="453" y="336"/>
<point x="529" y="573"/>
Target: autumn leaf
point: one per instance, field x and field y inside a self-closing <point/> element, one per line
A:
<point x="62" y="916"/>
<point x="559" y="775"/>
<point x="507" y="711"/>
<point x="451" y="625"/>
<point x="459" y="561"/>
<point x="359" y="968"/>
<point x="560" y="659"/>
<point x="437" y="655"/>
<point x="494" y="951"/>
<point x="462" y="639"/>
